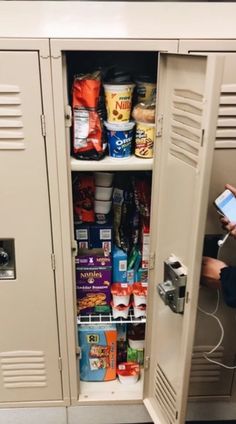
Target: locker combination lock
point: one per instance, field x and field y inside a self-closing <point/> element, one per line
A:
<point x="7" y="259"/>
<point x="172" y="291"/>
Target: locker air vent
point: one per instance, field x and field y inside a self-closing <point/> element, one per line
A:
<point x="23" y="369"/>
<point x="202" y="370"/>
<point x="11" y="125"/>
<point x="226" y="124"/>
<point x="186" y="133"/>
<point x="165" y="395"/>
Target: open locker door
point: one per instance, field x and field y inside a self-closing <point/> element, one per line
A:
<point x="189" y="88"/>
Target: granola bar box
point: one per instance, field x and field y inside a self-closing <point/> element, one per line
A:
<point x="98" y="345"/>
<point x="93" y="281"/>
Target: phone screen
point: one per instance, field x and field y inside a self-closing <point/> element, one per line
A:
<point x="228" y="207"/>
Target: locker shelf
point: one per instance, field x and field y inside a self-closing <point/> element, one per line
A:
<point x="110" y="164"/>
<point x="108" y="319"/>
<point x="111" y="390"/>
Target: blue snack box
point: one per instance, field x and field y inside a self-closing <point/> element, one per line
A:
<point x="119" y="265"/>
<point x="98" y="344"/>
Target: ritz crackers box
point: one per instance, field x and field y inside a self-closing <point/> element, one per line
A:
<point x="93" y="281"/>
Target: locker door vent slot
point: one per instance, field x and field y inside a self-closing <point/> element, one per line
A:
<point x="165" y="395"/>
<point x="186" y="131"/>
<point x="23" y="369"/>
<point x="11" y="125"/>
<point x="202" y="370"/>
<point x="226" y="123"/>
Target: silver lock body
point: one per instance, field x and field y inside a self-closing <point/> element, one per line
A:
<point x="172" y="290"/>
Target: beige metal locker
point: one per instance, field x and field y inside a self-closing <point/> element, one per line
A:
<point x="187" y="110"/>
<point x="209" y="379"/>
<point x="177" y="227"/>
<point x="29" y="353"/>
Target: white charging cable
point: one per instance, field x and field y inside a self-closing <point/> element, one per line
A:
<point x="212" y="314"/>
<point x="222" y="241"/>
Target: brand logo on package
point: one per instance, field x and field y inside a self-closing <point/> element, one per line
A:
<point x="92" y="338"/>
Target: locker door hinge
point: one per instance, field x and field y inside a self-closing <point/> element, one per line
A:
<point x="146" y="362"/>
<point x="152" y="261"/>
<point x="159" y="125"/>
<point x="53" y="261"/>
<point x="60" y="363"/>
<point x="43" y="125"/>
<point x="78" y="352"/>
<point x="68" y="116"/>
<point x="74" y="247"/>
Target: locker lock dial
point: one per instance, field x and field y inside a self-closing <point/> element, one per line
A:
<point x="4" y="257"/>
<point x="172" y="290"/>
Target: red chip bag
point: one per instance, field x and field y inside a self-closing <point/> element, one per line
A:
<point x="87" y="128"/>
<point x="83" y="197"/>
<point x="85" y="92"/>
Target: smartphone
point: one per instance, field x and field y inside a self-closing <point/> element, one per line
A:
<point x="226" y="205"/>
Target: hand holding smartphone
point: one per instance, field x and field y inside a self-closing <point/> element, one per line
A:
<point x="226" y="205"/>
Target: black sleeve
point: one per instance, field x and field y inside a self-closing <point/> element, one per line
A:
<point x="228" y="284"/>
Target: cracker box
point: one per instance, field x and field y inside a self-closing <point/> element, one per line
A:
<point x="93" y="281"/>
<point x="98" y="345"/>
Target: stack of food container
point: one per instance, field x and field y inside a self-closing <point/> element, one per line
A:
<point x="144" y="115"/>
<point x="103" y="194"/>
<point x="118" y="99"/>
<point x="139" y="299"/>
<point x="120" y="300"/>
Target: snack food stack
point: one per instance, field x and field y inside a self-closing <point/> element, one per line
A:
<point x="144" y="116"/>
<point x="118" y="98"/>
<point x="139" y="299"/>
<point x="103" y="195"/>
<point x="120" y="300"/>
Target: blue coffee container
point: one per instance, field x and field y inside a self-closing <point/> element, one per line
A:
<point x="119" y="138"/>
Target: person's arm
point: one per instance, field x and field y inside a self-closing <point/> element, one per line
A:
<point x="210" y="272"/>
<point x="217" y="274"/>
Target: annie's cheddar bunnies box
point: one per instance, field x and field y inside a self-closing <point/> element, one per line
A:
<point x="93" y="281"/>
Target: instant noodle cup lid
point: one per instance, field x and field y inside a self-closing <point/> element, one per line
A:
<point x="118" y="87"/>
<point x="119" y="126"/>
<point x="139" y="289"/>
<point x="128" y="372"/>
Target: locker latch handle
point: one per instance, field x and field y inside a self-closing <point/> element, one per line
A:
<point x="172" y="290"/>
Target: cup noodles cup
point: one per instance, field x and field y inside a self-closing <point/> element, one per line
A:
<point x="121" y="294"/>
<point x="136" y="344"/>
<point x="120" y="311"/>
<point x="139" y="311"/>
<point x="139" y="294"/>
<point x="118" y="100"/>
<point x="103" y="179"/>
<point x="103" y="193"/>
<point x="144" y="139"/>
<point x="119" y="138"/>
<point x="102" y="206"/>
<point x="128" y="372"/>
